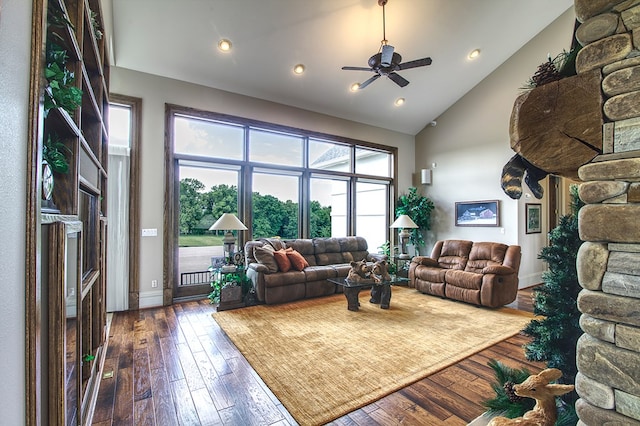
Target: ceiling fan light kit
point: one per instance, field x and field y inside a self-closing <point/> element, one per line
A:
<point x="386" y="62"/>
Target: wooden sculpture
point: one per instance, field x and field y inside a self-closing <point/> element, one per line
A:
<point x="380" y="271"/>
<point x="359" y="272"/>
<point x="538" y="387"/>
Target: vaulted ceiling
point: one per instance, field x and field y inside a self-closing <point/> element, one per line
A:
<point x="178" y="39"/>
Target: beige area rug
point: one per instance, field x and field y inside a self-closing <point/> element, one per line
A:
<point x="323" y="361"/>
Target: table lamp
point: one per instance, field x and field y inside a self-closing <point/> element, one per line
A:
<point x="228" y="222"/>
<point x="403" y="222"/>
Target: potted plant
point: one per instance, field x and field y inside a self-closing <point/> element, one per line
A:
<point x="228" y="288"/>
<point x="418" y="208"/>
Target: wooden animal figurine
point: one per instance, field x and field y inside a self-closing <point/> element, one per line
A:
<point x="380" y="271"/>
<point x="513" y="172"/>
<point x="359" y="272"/>
<point x="381" y="290"/>
<point x="537" y="386"/>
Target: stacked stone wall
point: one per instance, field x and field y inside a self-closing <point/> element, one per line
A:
<point x="608" y="353"/>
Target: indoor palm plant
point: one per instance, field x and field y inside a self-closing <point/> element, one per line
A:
<point x="418" y="208"/>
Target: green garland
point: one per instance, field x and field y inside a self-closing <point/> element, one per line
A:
<point x="506" y="404"/>
<point x="62" y="93"/>
<point x="502" y="403"/>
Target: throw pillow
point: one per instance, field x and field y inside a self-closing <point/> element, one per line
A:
<point x="282" y="260"/>
<point x="264" y="255"/>
<point x="297" y="260"/>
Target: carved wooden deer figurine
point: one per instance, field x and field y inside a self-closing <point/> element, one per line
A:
<point x="537" y="387"/>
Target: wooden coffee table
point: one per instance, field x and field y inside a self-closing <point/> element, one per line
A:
<point x="380" y="292"/>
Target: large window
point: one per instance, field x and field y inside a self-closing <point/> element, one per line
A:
<point x="275" y="205"/>
<point x="280" y="181"/>
<point x="196" y="136"/>
<point x="275" y="148"/>
<point x="328" y="207"/>
<point x="371" y="212"/>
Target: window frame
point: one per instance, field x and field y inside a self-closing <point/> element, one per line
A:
<point x="305" y="171"/>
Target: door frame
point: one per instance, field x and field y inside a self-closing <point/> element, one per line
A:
<point x="134" y="195"/>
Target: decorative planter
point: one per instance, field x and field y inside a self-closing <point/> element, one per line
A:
<point x="47" y="189"/>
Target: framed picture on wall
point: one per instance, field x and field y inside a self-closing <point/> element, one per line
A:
<point x="533" y="218"/>
<point x="478" y="213"/>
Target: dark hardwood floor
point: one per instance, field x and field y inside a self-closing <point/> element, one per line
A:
<point x="174" y="366"/>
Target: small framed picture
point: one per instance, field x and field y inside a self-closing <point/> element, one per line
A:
<point x="533" y="218"/>
<point x="478" y="213"/>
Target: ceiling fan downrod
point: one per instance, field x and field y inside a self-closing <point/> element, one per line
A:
<point x="384" y="26"/>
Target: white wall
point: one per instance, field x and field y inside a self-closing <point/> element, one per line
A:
<point x="156" y="91"/>
<point x="470" y="145"/>
<point x="15" y="48"/>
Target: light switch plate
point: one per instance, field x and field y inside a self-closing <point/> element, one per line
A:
<point x="150" y="232"/>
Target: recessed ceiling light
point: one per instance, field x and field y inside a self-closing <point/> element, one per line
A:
<point x="355" y="87"/>
<point x="224" y="45"/>
<point x="474" y="54"/>
<point x="298" y="69"/>
<point x="399" y="101"/>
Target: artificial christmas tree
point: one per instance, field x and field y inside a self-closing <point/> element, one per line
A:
<point x="555" y="336"/>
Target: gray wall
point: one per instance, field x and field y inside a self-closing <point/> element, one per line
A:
<point x="470" y="145"/>
<point x="15" y="48"/>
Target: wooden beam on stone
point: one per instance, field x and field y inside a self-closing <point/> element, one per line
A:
<point x="558" y="126"/>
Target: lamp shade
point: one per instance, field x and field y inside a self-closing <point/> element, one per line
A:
<point x="228" y="221"/>
<point x="403" y="221"/>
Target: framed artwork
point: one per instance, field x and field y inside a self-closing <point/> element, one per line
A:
<point x="478" y="213"/>
<point x="533" y="218"/>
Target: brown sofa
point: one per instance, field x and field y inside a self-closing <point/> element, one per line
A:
<point x="481" y="273"/>
<point x="326" y="258"/>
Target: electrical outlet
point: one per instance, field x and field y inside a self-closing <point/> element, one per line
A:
<point x="154" y="283"/>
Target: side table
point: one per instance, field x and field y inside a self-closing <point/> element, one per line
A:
<point x="402" y="266"/>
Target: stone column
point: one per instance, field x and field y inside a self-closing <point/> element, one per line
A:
<point x="608" y="353"/>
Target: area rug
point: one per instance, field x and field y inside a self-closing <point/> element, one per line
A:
<point x="323" y="361"/>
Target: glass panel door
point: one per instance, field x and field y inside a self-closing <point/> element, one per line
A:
<point x="206" y="192"/>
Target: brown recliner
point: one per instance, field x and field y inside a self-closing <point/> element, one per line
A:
<point x="481" y="273"/>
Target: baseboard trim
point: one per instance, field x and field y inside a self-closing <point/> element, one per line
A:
<point x="150" y="299"/>
<point x="529" y="280"/>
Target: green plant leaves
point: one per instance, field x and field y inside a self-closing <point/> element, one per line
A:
<point x="61" y="92"/>
<point x="419" y="209"/>
<point x="55" y="153"/>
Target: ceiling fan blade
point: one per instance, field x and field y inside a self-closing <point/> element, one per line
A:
<point x="368" y="82"/>
<point x="387" y="55"/>
<point x="414" y="64"/>
<point x="357" y="69"/>
<point x="398" y="79"/>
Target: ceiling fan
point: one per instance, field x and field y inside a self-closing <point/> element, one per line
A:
<point x="386" y="62"/>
